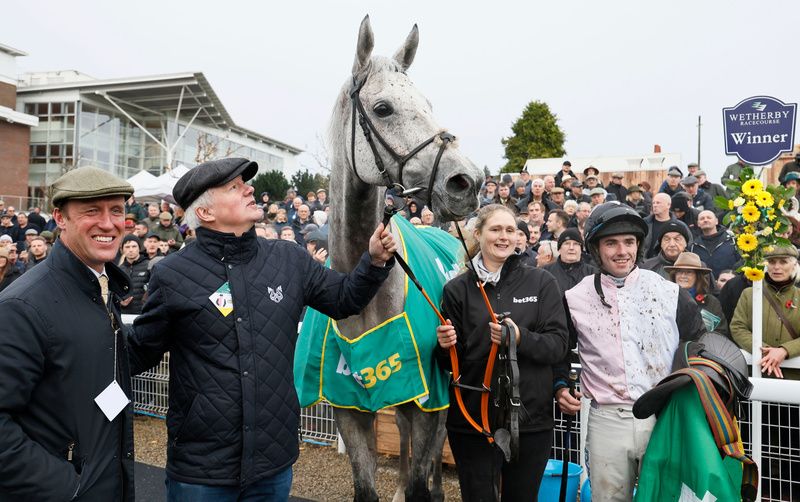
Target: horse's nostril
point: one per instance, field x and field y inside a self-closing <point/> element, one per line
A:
<point x="458" y="183"/>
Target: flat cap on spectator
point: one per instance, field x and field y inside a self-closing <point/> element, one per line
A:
<point x="576" y="184"/>
<point x="47" y="235"/>
<point x="597" y="191"/>
<point x="591" y="177"/>
<point x="490" y="182"/>
<point x="689" y="180"/>
<point x="617" y="175"/>
<point x="692" y="164"/>
<point x="165" y="215"/>
<point x="634" y="188"/>
<point x="309" y="228"/>
<point x="557" y="190"/>
<point x="700" y="172"/>
<point x="6" y="238"/>
<point x="209" y="175"/>
<point x="507" y="179"/>
<point x="781" y="252"/>
<point x="314" y="236"/>
<point x="88" y="183"/>
<point x="565" y="179"/>
<point x="130" y="216"/>
<point x="674" y="171"/>
<point x="31" y="231"/>
<point x="152" y="235"/>
<point x="570" y="234"/>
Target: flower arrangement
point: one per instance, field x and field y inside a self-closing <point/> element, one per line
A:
<point x="755" y="216"/>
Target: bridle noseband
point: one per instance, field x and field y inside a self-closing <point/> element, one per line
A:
<point x="370" y="132"/>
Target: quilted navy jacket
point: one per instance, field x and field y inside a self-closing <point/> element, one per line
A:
<point x="233" y="411"/>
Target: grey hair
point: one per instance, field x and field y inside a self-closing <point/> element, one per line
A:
<point x="552" y="246"/>
<point x="190" y="215"/>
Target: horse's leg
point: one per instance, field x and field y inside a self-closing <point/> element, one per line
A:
<point x="358" y="433"/>
<point x="425" y="445"/>
<point x="404" y="427"/>
<point x="437" y="492"/>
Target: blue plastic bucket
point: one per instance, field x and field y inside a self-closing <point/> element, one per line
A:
<point x="551" y="481"/>
<point x="586" y="491"/>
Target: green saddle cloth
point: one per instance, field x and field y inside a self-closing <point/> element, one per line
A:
<point x="393" y="362"/>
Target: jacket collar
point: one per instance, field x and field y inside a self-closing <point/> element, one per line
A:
<point x="63" y="260"/>
<point x="631" y="278"/>
<point x="227" y="247"/>
<point x="568" y="266"/>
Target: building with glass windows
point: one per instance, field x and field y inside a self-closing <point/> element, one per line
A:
<point x="131" y="124"/>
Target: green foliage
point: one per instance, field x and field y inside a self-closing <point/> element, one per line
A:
<point x="306" y="182"/>
<point x="536" y="134"/>
<point x="273" y="182"/>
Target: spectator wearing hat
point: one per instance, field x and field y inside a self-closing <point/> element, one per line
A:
<point x="790" y="167"/>
<point x="60" y="328"/>
<point x="674" y="238"/>
<point x="557" y="198"/>
<point x="714" y="244"/>
<point x="635" y="199"/>
<point x="227" y="308"/>
<point x="615" y="187"/>
<point x="681" y="206"/>
<point x="30" y="233"/>
<point x="301" y="234"/>
<point x="700" y="199"/>
<point x="566" y="170"/>
<point x="322" y="199"/>
<point x="489" y="191"/>
<point x="152" y="250"/>
<point x="130" y="226"/>
<point x="672" y="184"/>
<point x="168" y="232"/>
<point x="569" y="268"/>
<point x="692" y="168"/>
<point x="134" y="263"/>
<point x="597" y="196"/>
<point x="7" y="227"/>
<point x="691" y="275"/>
<point x="576" y="192"/>
<point x="660" y="216"/>
<point x="36" y="219"/>
<point x="590" y="171"/>
<point x="526" y="253"/>
<point x="521" y="194"/>
<point x="647" y="195"/>
<point x="525" y="178"/>
<point x="317" y="246"/>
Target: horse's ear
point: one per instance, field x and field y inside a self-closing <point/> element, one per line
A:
<point x="405" y="54"/>
<point x="366" y="41"/>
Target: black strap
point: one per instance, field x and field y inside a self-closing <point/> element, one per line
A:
<point x="599" y="289"/>
<point x="514" y="401"/>
<point x="784" y="320"/>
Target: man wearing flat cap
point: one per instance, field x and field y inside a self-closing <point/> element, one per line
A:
<point x="227" y="308"/>
<point x="66" y="428"/>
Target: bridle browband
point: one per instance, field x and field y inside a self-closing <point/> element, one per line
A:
<point x="370" y="132"/>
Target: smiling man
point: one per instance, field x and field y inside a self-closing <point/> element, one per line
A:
<point x="627" y="323"/>
<point x="227" y="308"/>
<point x="66" y="428"/>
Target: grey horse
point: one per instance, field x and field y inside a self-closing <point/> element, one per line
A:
<point x="402" y="116"/>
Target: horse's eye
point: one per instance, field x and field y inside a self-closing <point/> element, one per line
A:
<point x="382" y="109"/>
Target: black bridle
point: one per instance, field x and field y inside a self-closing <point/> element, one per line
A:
<point x="370" y="132"/>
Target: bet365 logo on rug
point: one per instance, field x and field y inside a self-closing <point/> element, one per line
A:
<point x="369" y="376"/>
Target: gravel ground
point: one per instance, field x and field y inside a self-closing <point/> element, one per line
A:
<point x="319" y="474"/>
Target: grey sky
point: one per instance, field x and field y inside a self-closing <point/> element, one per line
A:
<point x="621" y="75"/>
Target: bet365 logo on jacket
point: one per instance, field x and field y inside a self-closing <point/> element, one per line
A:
<point x="526" y="299"/>
<point x="276" y="295"/>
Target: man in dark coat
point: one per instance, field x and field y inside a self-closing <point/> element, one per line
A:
<point x="673" y="239"/>
<point x="615" y="186"/>
<point x="137" y="266"/>
<point x="36" y="219"/>
<point x="569" y="269"/>
<point x="715" y="245"/>
<point x="227" y="308"/>
<point x="566" y="170"/>
<point x="66" y="420"/>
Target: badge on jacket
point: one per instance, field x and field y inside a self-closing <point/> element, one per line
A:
<point x="222" y="299"/>
<point x="276" y="295"/>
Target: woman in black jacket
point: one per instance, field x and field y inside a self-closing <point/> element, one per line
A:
<point x="537" y="323"/>
<point x="134" y="262"/>
<point x="689" y="273"/>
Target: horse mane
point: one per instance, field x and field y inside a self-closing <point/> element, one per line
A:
<point x="338" y="135"/>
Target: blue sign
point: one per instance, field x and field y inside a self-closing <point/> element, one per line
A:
<point x="759" y="129"/>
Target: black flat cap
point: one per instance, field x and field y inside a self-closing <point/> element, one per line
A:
<point x="209" y="175"/>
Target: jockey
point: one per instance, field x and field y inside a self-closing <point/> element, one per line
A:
<point x="627" y="323"/>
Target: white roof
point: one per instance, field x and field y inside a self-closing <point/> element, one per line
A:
<point x="621" y="163"/>
<point x="12" y="51"/>
<point x="16" y="117"/>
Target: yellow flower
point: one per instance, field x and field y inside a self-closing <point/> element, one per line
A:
<point x="764" y="199"/>
<point x="769" y="249"/>
<point x="749" y="229"/>
<point x="781" y="203"/>
<point x="753" y="274"/>
<point x="738" y="201"/>
<point x="730" y="204"/>
<point x="747" y="242"/>
<point x="750" y="213"/>
<point x="752" y="187"/>
<point x="767" y="231"/>
<point x="777" y="225"/>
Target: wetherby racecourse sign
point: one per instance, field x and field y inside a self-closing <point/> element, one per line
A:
<point x="759" y="129"/>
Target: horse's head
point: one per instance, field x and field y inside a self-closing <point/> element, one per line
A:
<point x="395" y="140"/>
